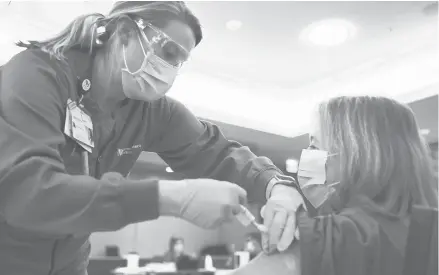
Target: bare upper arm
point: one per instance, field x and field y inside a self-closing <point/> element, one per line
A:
<point x="285" y="263"/>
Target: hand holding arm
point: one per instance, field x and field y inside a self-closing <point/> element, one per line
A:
<point x="280" y="218"/>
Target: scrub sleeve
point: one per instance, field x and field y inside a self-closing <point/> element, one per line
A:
<point x="36" y="193"/>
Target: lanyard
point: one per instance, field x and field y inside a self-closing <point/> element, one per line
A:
<point x="84" y="85"/>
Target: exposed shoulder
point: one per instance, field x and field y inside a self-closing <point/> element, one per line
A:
<point x="285" y="263"/>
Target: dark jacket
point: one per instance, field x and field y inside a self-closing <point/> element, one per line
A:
<point x="355" y="241"/>
<point x="48" y="209"/>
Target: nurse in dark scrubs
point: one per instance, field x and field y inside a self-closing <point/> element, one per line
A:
<point x="366" y="166"/>
<point x="76" y="112"/>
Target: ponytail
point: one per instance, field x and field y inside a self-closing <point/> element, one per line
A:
<point x="81" y="33"/>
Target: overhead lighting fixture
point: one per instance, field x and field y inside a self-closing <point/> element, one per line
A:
<point x="234" y="25"/>
<point x="424" y="132"/>
<point x="169" y="170"/>
<point x="292" y="166"/>
<point x="328" y="33"/>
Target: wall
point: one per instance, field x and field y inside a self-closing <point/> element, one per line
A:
<point x="152" y="237"/>
<point x="434" y="156"/>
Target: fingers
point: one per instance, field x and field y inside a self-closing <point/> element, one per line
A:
<point x="288" y="234"/>
<point x="262" y="212"/>
<point x="265" y="243"/>
<point x="239" y="197"/>
<point x="214" y="203"/>
<point x="297" y="234"/>
<point x="232" y="211"/>
<point x="277" y="228"/>
<point x="268" y="215"/>
<point x="242" y="194"/>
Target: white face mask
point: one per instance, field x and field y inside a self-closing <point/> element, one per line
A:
<point x="152" y="80"/>
<point x="312" y="176"/>
<point x="178" y="248"/>
<point x="250" y="246"/>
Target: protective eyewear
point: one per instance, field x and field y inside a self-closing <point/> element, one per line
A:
<point x="162" y="45"/>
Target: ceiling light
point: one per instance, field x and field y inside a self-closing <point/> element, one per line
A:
<point x="169" y="170"/>
<point x="292" y="166"/>
<point x="330" y="32"/>
<point x="234" y="25"/>
<point x="424" y="131"/>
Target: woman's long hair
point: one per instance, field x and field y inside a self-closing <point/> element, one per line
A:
<point x="384" y="160"/>
<point x="82" y="31"/>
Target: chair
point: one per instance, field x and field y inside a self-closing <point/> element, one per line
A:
<point x="421" y="255"/>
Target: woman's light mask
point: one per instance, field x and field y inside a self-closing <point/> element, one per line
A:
<point x="162" y="45"/>
<point x="312" y="176"/>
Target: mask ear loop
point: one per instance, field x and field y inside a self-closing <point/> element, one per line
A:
<point x="145" y="54"/>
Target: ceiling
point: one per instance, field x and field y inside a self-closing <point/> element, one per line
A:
<point x="267" y="49"/>
<point x="260" y="82"/>
<point x="263" y="76"/>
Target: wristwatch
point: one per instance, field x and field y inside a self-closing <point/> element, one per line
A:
<point x="279" y="179"/>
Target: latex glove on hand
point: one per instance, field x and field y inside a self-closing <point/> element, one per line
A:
<point x="204" y="202"/>
<point x="280" y="218"/>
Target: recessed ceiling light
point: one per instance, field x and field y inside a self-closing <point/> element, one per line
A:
<point x="424" y="131"/>
<point x="234" y="25"/>
<point x="169" y="170"/>
<point x="329" y="32"/>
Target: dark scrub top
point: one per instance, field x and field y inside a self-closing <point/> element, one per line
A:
<point x="354" y="241"/>
<point x="48" y="209"/>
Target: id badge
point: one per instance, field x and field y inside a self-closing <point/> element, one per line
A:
<point x="78" y="125"/>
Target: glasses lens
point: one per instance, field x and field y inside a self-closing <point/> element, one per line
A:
<point x="172" y="53"/>
<point x="165" y="48"/>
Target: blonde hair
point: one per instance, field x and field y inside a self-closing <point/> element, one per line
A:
<point x="384" y="161"/>
<point x="82" y="32"/>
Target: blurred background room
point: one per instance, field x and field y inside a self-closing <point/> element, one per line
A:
<point x="257" y="74"/>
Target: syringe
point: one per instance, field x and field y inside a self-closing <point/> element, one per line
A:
<point x="247" y="218"/>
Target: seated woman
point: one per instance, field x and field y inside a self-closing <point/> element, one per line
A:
<point x="366" y="166"/>
<point x="176" y="250"/>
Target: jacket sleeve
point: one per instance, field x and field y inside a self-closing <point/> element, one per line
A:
<point x="36" y="193"/>
<point x="198" y="149"/>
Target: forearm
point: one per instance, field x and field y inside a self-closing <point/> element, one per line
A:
<point x="239" y="165"/>
<point x="37" y="199"/>
<point x="213" y="156"/>
<point x="198" y="149"/>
